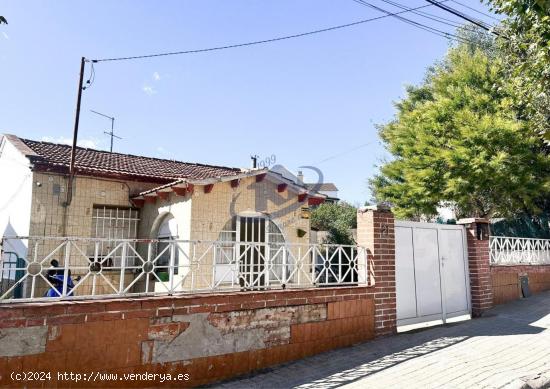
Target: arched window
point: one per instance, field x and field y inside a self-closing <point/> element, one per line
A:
<point x="167" y="231"/>
<point x="249" y="252"/>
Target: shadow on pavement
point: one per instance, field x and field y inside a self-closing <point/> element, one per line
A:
<point x="344" y="366"/>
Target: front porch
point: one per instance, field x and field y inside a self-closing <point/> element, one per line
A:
<point x="75" y="268"/>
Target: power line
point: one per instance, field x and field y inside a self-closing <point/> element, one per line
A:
<point x="479" y="23"/>
<point x="475" y="10"/>
<point x="344" y="152"/>
<point x="91" y="77"/>
<point x="259" y="42"/>
<point x="421" y="26"/>
<point x="427" y="15"/>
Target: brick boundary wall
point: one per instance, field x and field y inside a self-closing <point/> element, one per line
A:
<point x="506" y="281"/>
<point x="211" y="337"/>
<point x="477" y="239"/>
<point x="376" y="232"/>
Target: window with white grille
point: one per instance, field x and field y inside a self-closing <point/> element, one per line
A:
<point x="111" y="224"/>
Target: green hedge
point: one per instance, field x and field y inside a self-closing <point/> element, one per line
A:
<point x="523" y="227"/>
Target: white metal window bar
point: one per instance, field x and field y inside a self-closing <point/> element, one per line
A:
<point x="112" y="224"/>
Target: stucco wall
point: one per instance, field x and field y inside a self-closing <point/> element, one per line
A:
<point x="152" y="215"/>
<point x="15" y="196"/>
<point x="15" y="209"/>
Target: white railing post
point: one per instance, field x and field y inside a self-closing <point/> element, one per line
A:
<point x="122" y="268"/>
<point x="66" y="270"/>
<point x="339" y="264"/>
<point x="284" y="271"/>
<point x="172" y="264"/>
<point x="267" y="260"/>
<point x="94" y="276"/>
<point x="214" y="263"/>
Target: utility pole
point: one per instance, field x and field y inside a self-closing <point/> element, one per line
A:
<point x="112" y="133"/>
<point x="75" y="134"/>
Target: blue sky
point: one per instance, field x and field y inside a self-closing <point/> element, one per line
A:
<point x="308" y="101"/>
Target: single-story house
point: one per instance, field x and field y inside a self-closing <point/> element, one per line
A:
<point x="121" y="196"/>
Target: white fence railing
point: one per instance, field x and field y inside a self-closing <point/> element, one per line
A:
<point x="519" y="251"/>
<point x="64" y="268"/>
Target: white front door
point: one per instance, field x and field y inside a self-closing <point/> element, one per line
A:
<point x="248" y="253"/>
<point x="252" y="251"/>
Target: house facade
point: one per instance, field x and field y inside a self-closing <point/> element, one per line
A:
<point x="118" y="197"/>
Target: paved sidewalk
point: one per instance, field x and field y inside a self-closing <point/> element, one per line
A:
<point x="509" y="347"/>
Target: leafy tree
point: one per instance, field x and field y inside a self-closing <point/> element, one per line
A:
<point x="338" y="219"/>
<point x="3" y="20"/>
<point x="457" y="140"/>
<point x="526" y="43"/>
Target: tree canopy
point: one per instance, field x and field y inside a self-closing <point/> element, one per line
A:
<point x="526" y="43"/>
<point x="337" y="219"/>
<point x="458" y="140"/>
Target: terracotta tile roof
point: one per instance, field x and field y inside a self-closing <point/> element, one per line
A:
<point x="53" y="156"/>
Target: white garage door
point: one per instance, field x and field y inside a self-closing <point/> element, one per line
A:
<point x="431" y="272"/>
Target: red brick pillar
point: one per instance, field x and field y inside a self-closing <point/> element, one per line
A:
<point x="375" y="232"/>
<point x="477" y="232"/>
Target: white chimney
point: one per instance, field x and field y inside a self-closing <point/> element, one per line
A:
<point x="300" y="177"/>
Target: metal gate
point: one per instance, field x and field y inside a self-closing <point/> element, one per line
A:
<point x="431" y="272"/>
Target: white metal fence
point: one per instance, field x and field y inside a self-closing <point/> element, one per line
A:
<point x="64" y="268"/>
<point x="516" y="251"/>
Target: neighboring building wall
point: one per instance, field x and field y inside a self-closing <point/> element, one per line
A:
<point x="16" y="194"/>
<point x="15" y="211"/>
<point x="506" y="281"/>
<point x="209" y="337"/>
<point x="330" y="193"/>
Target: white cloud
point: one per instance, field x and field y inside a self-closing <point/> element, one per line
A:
<point x="88" y="143"/>
<point x="156" y="76"/>
<point x="149" y="90"/>
<point x="165" y="153"/>
<point x="5" y="35"/>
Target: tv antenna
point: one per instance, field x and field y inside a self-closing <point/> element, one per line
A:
<point x="112" y="132"/>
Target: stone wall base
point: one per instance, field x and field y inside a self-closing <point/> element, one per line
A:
<point x="208" y="337"/>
